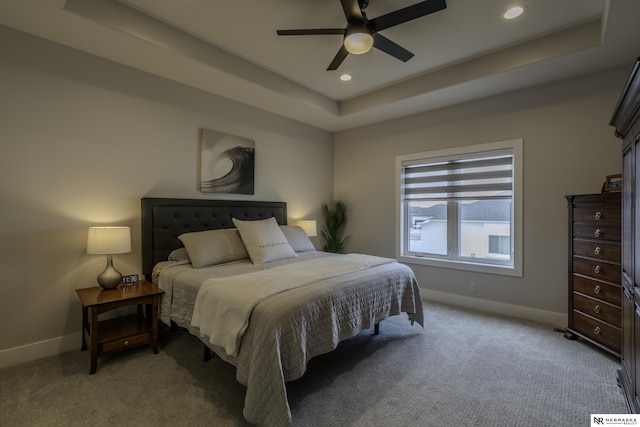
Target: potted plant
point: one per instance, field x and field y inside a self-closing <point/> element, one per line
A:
<point x="335" y="223"/>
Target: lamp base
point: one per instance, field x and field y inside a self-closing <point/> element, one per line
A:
<point x="110" y="278"/>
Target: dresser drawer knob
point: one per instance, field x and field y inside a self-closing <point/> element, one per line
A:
<point x="598" y="269"/>
<point x="597" y="233"/>
<point x="597" y="330"/>
<point x="598" y="215"/>
<point x="597" y="309"/>
<point x="597" y="289"/>
<point x="597" y="250"/>
<point x="126" y="342"/>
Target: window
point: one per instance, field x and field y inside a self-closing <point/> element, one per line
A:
<point x="461" y="208"/>
<point x="499" y="245"/>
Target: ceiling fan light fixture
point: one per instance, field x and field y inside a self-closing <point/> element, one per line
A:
<point x="358" y="39"/>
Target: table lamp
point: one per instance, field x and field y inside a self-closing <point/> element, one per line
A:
<point x="309" y="227"/>
<point x="109" y="241"/>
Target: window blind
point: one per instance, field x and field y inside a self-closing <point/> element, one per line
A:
<point x="471" y="178"/>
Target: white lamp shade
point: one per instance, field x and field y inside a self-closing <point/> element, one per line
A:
<point x="109" y="240"/>
<point x="309" y="227"/>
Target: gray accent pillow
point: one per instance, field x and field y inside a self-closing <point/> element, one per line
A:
<point x="213" y="247"/>
<point x="179" y="255"/>
<point x="297" y="238"/>
<point x="264" y="240"/>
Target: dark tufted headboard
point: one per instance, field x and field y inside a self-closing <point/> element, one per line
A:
<point x="163" y="220"/>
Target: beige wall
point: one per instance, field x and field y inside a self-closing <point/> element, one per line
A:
<point x="82" y="140"/>
<point x="568" y="149"/>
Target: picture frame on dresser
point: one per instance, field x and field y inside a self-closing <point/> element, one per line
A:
<point x="612" y="183"/>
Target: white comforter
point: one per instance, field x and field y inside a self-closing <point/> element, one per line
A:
<point x="289" y="328"/>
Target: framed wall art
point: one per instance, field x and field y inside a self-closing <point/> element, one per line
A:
<point x="227" y="163"/>
<point x="612" y="183"/>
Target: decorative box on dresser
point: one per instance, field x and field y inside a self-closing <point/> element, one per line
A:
<point x="626" y="120"/>
<point x="594" y="270"/>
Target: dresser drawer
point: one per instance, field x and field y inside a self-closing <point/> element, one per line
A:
<point x="599" y="270"/>
<point x="597" y="214"/>
<point x="600" y="290"/>
<point x="127" y="342"/>
<point x="597" y="231"/>
<point x="599" y="309"/>
<point x="597" y="250"/>
<point x="598" y="331"/>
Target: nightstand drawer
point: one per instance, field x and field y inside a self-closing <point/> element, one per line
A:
<point x="127" y="342"/>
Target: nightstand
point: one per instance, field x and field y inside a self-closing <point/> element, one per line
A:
<point x="109" y="336"/>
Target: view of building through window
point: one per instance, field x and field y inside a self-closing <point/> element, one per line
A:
<point x="484" y="228"/>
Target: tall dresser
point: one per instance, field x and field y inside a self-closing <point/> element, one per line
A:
<point x="595" y="291"/>
<point x="626" y="120"/>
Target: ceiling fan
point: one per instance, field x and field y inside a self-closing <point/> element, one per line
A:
<point x="362" y="33"/>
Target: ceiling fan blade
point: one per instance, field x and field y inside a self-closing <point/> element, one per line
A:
<point x="351" y="10"/>
<point x="311" y="32"/>
<point x="406" y="14"/>
<point x="393" y="49"/>
<point x="340" y="56"/>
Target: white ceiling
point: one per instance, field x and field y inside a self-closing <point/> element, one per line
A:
<point x="230" y="48"/>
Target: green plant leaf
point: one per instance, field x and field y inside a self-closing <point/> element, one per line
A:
<point x="335" y="218"/>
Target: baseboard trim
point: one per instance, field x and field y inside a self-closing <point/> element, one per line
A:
<point x="557" y="320"/>
<point x="38" y="350"/>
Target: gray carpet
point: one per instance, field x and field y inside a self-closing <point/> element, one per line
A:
<point x="464" y="369"/>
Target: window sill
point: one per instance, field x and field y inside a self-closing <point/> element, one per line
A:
<point x="502" y="270"/>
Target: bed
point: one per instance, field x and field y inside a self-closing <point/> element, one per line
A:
<point x="303" y="303"/>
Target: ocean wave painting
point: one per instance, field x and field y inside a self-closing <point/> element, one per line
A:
<point x="227" y="163"/>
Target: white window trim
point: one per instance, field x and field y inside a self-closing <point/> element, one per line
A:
<point x="517" y="145"/>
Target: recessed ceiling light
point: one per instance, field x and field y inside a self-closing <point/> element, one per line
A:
<point x="514" y="12"/>
<point x="345" y="77"/>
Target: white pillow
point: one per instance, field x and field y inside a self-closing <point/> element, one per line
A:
<point x="297" y="238"/>
<point x="213" y="247"/>
<point x="264" y="240"/>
